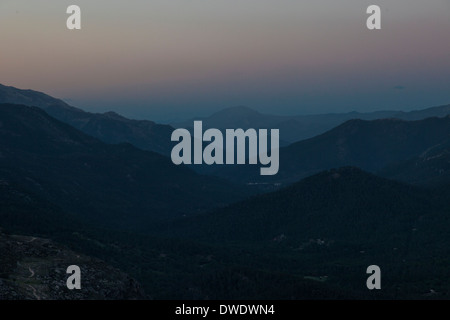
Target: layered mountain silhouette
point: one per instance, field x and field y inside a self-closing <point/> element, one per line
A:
<point x="111" y="127"/>
<point x="108" y="127"/>
<point x="296" y="128"/>
<point x="187" y="236"/>
<point x="345" y="204"/>
<point x="370" y="145"/>
<point x="111" y="184"/>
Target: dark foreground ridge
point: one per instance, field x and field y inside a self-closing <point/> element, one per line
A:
<point x="35" y="269"/>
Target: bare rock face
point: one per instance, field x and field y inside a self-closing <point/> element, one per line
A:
<point x="35" y="269"/>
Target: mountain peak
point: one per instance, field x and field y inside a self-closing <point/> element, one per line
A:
<point x="113" y="115"/>
<point x="237" y="111"/>
<point x="29" y="98"/>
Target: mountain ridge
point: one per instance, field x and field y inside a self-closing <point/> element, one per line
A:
<point x="109" y="127"/>
<point x="300" y="127"/>
<point x="368" y="144"/>
<point x="331" y="226"/>
<point x="116" y="184"/>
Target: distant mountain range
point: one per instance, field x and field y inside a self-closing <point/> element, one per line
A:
<point x="297" y="128"/>
<point x="111" y="127"/>
<point x="333" y="139"/>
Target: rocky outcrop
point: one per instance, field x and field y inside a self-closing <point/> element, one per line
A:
<point x="35" y="269"/>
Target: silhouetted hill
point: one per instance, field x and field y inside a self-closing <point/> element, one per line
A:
<point x="108" y="127"/>
<point x="370" y="145"/>
<point x="111" y="184"/>
<point x="30" y="98"/>
<point x="332" y="225"/>
<point x="344" y="204"/>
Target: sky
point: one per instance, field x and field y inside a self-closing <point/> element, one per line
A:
<point x="168" y="60"/>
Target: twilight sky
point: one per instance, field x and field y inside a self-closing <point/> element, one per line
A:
<point x="174" y="59"/>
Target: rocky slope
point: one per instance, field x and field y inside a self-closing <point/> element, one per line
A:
<point x="35" y="269"/>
